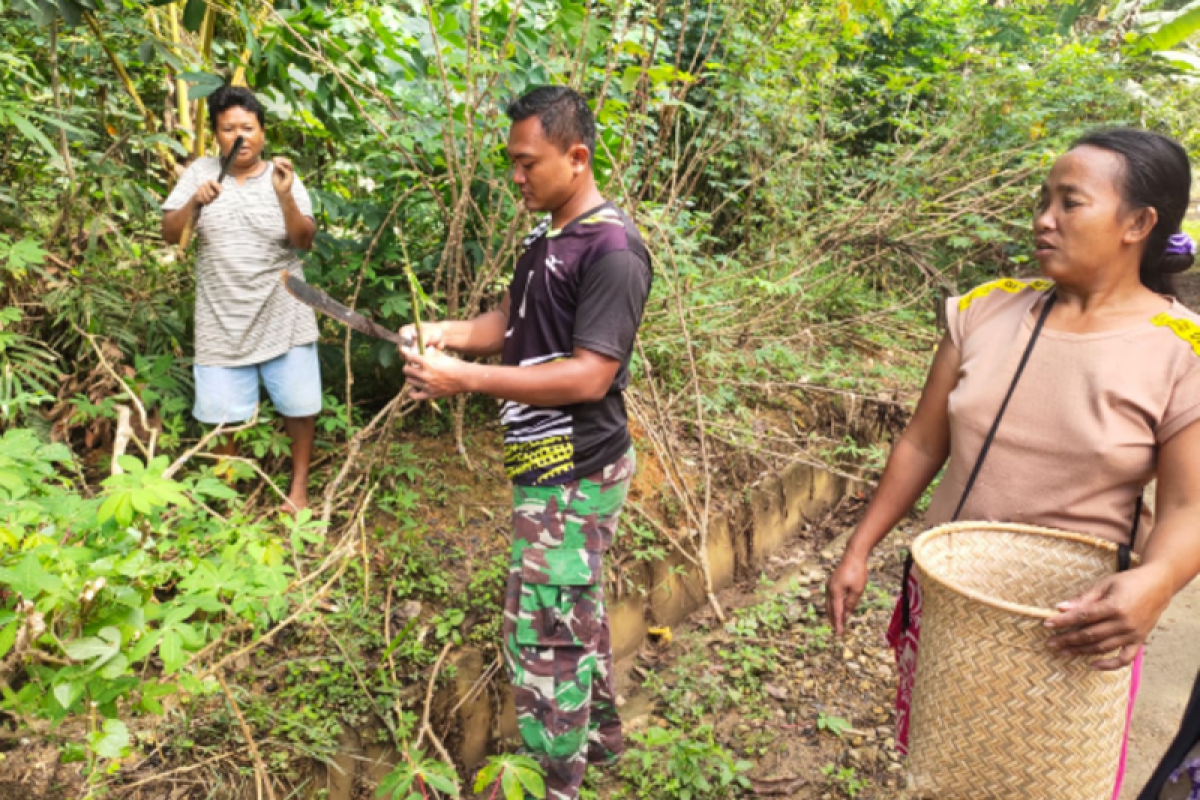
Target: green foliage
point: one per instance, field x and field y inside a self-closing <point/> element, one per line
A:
<point x="845" y="779"/>
<point x="674" y="765"/>
<point x="518" y="777"/>
<point x="1165" y="30"/>
<point x="830" y="724"/>
<point x="27" y="370"/>
<point x="416" y="776"/>
<point x="139" y="489"/>
<point x="127" y="586"/>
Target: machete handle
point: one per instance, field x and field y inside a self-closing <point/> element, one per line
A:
<point x="189" y="228"/>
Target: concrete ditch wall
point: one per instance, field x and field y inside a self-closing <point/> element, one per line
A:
<point x="773" y="513"/>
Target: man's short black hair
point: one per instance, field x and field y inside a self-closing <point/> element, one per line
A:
<point x="564" y="115"/>
<point x="228" y="97"/>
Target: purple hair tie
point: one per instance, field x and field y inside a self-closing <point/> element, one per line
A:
<point x="1180" y="244"/>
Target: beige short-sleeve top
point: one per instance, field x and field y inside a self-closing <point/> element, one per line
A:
<point x="1080" y="438"/>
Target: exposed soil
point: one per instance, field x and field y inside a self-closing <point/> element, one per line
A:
<point x="786" y="719"/>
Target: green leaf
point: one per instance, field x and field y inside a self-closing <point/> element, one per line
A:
<point x="115" y="667"/>
<point x="511" y="786"/>
<point x="171" y="651"/>
<point x="395" y="784"/>
<point x="157" y="690"/>
<point x="29" y="579"/>
<point x="1175" y="29"/>
<point x="118" y="506"/>
<point x="145" y="646"/>
<point x="22" y="255"/>
<point x="72" y="753"/>
<point x="99" y="649"/>
<point x="72" y="12"/>
<point x="112" y="741"/>
<point x="153" y="692"/>
<point x="531" y="779"/>
<point x="178" y="614"/>
<point x="1181" y="58"/>
<point x="67" y="693"/>
<point x="131" y="464"/>
<point x="13" y="483"/>
<point x="7" y="637"/>
<point x="443" y="783"/>
<point x="193" y="14"/>
<point x="486" y="775"/>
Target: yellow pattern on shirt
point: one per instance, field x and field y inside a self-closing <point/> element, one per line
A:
<point x="1010" y="285"/>
<point x="1184" y="328"/>
<point x="555" y="454"/>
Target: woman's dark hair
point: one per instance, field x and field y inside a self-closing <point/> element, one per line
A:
<point x="228" y="97"/>
<point x="1156" y="174"/>
<point x="564" y="115"/>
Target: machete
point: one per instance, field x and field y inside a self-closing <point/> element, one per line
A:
<point x="186" y="236"/>
<point x="315" y="299"/>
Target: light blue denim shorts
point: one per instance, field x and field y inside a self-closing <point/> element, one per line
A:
<point x="230" y="394"/>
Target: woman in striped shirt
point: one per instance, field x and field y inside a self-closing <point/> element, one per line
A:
<point x="249" y="330"/>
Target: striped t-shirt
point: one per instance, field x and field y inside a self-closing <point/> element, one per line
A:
<point x="243" y="313"/>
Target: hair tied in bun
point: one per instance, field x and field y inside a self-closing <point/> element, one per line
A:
<point x="1180" y="244"/>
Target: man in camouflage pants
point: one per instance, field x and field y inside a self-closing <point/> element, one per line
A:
<point x="565" y="331"/>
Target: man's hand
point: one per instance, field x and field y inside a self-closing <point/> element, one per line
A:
<point x="434" y="374"/>
<point x="208" y="191"/>
<point x="283" y="175"/>
<point x="844" y="588"/>
<point x="1116" y="614"/>
<point x="433" y="332"/>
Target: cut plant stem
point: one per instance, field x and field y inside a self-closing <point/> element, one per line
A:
<point x="414" y="292"/>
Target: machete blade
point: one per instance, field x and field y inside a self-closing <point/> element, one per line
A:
<point x="315" y="299"/>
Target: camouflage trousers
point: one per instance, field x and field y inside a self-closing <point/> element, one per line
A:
<point x="556" y="640"/>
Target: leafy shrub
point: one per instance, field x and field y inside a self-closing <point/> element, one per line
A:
<point x="673" y="765"/>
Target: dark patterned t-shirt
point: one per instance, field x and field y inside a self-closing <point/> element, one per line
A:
<point x="582" y="286"/>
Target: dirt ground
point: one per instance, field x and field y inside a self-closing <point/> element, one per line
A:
<point x="814" y="716"/>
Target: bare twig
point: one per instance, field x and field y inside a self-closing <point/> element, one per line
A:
<point x="261" y="776"/>
<point x="205" y="439"/>
<point x="426" y="728"/>
<point x="250" y="463"/>
<point x="148" y="448"/>
<point x="164" y="776"/>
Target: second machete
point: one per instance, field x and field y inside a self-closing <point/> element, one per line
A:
<point x="316" y="299"/>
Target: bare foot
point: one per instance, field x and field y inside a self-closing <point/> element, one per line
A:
<point x="292" y="506"/>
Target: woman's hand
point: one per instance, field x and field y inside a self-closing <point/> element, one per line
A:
<point x="1117" y="613"/>
<point x="208" y="191"/>
<point x="844" y="588"/>
<point x="283" y="175"/>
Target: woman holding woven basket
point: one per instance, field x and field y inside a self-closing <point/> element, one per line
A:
<point x="1108" y="400"/>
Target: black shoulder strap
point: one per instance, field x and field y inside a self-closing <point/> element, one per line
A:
<point x="1125" y="551"/>
<point x="987" y="444"/>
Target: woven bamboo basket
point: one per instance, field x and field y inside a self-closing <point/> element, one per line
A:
<point x="996" y="714"/>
